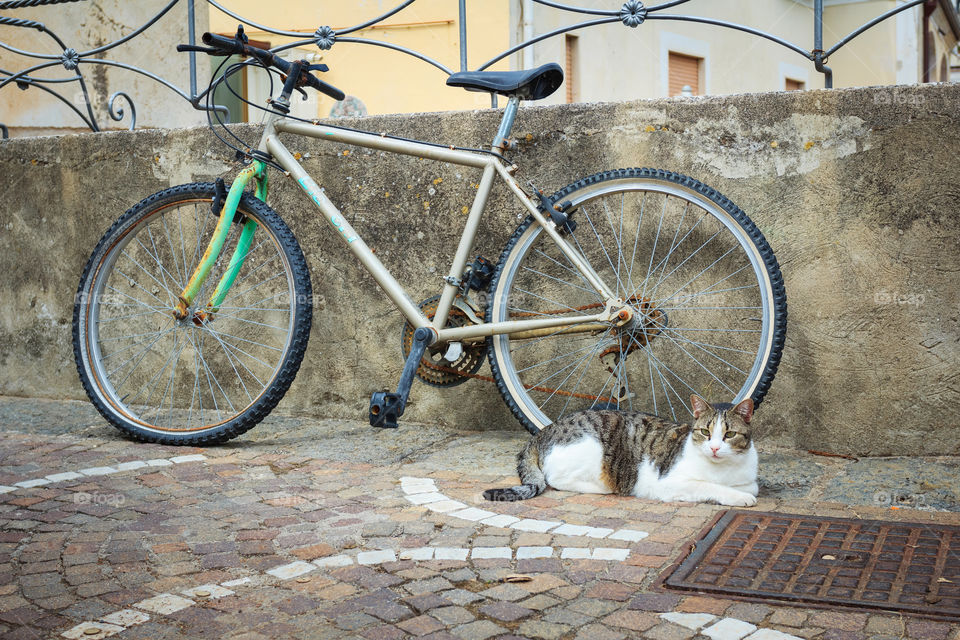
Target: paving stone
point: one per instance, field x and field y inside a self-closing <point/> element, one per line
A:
<point x="658" y="602"/>
<point x="599" y="632"/>
<point x="509" y="592"/>
<point x="538" y="526"/>
<point x="104" y="629"/>
<point x="478" y="553"/>
<point x="728" y="629"/>
<point x="773" y="634"/>
<point x="426" y="498"/>
<point x="472" y="514"/>
<point x="701" y="604"/>
<point x="421" y="625"/>
<point x="842" y="620"/>
<point x="450" y="616"/>
<point x="334" y="561"/>
<point x="633" y="620"/>
<point x="207" y="592"/>
<point x="563" y="615"/>
<point x="603" y="553"/>
<point x="478" y="630"/>
<point x="669" y="631"/>
<point x="500" y="520"/>
<point x="427" y="601"/>
<point x="450" y="553"/>
<point x="355" y="621"/>
<point x="460" y="596"/>
<point x="420" y="553"/>
<point x="428" y="586"/>
<point x="526" y="553"/>
<point x="927" y="630"/>
<point x="694" y="621"/>
<point x="748" y="611"/>
<point x="610" y="591"/>
<point x="164" y="604"/>
<point x="126" y="618"/>
<point x="445" y="506"/>
<point x="291" y="570"/>
<point x="376" y="557"/>
<point x="540" y="602"/>
<point x="629" y="535"/>
<point x="461" y="574"/>
<point x="505" y="611"/>
<point x="546" y="630"/>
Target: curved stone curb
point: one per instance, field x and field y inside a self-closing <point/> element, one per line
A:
<point x="100" y="471"/>
<point x="423" y="492"/>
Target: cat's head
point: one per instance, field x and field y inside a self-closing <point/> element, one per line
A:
<point x="721" y="431"/>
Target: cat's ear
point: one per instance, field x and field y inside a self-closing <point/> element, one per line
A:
<point x="699" y="406"/>
<point x="745" y="410"/>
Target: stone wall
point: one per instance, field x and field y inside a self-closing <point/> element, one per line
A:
<point x="856" y="191"/>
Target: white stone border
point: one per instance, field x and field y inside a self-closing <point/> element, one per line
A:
<point x="101" y="471"/>
<point x="423" y="492"/>
<point x="724" y="628"/>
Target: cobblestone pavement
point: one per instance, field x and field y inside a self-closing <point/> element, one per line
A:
<point x="330" y="529"/>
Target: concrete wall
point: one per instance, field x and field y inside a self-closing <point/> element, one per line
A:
<point x="855" y="189"/>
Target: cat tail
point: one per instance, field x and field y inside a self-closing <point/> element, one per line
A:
<point x="528" y="468"/>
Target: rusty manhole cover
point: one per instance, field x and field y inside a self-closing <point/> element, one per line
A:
<point x="908" y="567"/>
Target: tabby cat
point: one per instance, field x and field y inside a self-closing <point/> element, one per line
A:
<point x="639" y="454"/>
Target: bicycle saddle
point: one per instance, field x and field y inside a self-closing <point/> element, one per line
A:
<point x="530" y="84"/>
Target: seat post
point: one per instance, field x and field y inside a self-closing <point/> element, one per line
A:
<point x="506" y="124"/>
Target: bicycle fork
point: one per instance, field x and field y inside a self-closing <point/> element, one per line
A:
<point x="256" y="171"/>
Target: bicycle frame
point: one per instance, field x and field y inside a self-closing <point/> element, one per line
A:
<point x="614" y="309"/>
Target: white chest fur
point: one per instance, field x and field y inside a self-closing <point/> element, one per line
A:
<point x="695" y="477"/>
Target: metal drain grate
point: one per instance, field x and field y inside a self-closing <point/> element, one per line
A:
<point x="835" y="562"/>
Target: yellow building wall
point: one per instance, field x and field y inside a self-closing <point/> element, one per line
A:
<point x="871" y="58"/>
<point x="386" y="81"/>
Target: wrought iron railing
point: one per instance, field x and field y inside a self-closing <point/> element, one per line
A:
<point x="632" y="14"/>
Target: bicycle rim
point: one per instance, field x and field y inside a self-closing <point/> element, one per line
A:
<point x="177" y="377"/>
<point x="688" y="263"/>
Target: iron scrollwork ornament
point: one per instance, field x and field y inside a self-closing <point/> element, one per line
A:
<point x="633" y="13"/>
<point x="325" y="37"/>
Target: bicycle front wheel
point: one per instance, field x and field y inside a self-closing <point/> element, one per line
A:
<point x="208" y="377"/>
<point x="707" y="294"/>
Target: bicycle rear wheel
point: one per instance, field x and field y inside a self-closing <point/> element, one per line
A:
<point x="200" y="380"/>
<point x="706" y="290"/>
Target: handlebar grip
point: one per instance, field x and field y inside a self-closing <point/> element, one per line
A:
<point x="224" y="44"/>
<point x="325" y="88"/>
<point x="181" y="48"/>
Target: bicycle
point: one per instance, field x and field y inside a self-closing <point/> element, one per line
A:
<point x="627" y="289"/>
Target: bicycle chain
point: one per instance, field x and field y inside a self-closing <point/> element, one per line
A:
<point x="460" y="376"/>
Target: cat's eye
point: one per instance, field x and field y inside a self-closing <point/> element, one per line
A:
<point x="729" y="435"/>
<point x="704" y="432"/>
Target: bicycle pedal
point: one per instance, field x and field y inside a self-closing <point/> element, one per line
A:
<point x="385" y="409"/>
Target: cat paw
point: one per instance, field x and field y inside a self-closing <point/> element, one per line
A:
<point x="740" y="499"/>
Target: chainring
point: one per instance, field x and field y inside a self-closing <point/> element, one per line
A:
<point x="433" y="369"/>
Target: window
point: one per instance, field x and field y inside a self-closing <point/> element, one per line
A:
<point x="684" y="71"/>
<point x="794" y="85"/>
<point x="571" y="62"/>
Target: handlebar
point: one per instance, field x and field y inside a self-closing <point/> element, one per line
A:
<point x="223" y="46"/>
